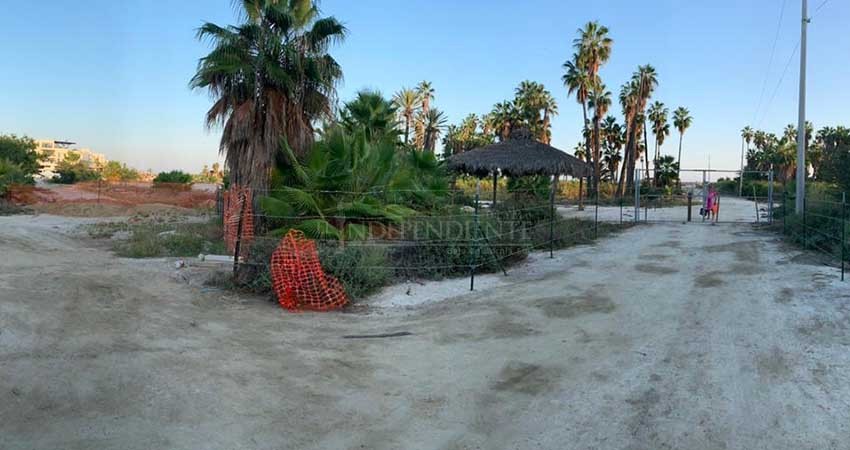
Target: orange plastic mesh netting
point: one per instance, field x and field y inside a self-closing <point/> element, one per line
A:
<point x="298" y="278"/>
<point x="233" y="201"/>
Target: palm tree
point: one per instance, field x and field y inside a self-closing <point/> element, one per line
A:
<point x="504" y="117"/>
<point x="657" y="114"/>
<point x="600" y="102"/>
<point x="613" y="133"/>
<point x="407" y="102"/>
<point x="682" y="120"/>
<point x="640" y="89"/>
<point x="578" y="81"/>
<point x="371" y="113"/>
<point x="434" y="123"/>
<point x="593" y="46"/>
<point x="537" y="107"/>
<point x="425" y="92"/>
<point x="270" y="78"/>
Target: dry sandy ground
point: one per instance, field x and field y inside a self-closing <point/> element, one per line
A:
<point x="664" y="337"/>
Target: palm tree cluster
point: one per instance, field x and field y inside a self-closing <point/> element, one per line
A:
<point x="767" y="151"/>
<point x="271" y="79"/>
<point x="472" y="132"/>
<point x="415" y="112"/>
<point x="602" y="142"/>
<point x="532" y="107"/>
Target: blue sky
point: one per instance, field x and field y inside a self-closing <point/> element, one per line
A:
<point x="113" y="76"/>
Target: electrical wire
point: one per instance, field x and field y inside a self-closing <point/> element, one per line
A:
<point x="779" y="84"/>
<point x="770" y="61"/>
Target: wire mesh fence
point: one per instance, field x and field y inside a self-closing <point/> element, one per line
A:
<point x="821" y="227"/>
<point x="366" y="240"/>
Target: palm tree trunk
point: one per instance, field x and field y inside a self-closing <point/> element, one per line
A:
<point x="646" y="150"/>
<point x="587" y="149"/>
<point x="679" y="163"/>
<point x="406" y="129"/>
<point x="597" y="155"/>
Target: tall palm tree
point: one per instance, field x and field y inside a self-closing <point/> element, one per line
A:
<point x="613" y="138"/>
<point x="657" y="114"/>
<point x="643" y="84"/>
<point x="578" y="81"/>
<point x="682" y="120"/>
<point x="407" y="102"/>
<point x="425" y="91"/>
<point x="270" y="78"/>
<point x="434" y="123"/>
<point x="593" y="46"/>
<point x="600" y="102"/>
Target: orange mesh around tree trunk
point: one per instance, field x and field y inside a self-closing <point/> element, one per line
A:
<point x="298" y="278"/>
<point x="233" y="201"/>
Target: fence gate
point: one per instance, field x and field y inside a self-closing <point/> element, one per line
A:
<point x="753" y="203"/>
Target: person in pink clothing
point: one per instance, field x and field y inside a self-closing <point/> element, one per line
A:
<point x="712" y="204"/>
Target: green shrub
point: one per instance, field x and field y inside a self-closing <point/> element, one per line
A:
<point x="360" y="267"/>
<point x="175" y="176"/>
<point x="20" y="151"/>
<point x="11" y="173"/>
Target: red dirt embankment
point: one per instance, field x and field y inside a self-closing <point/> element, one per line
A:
<point x="93" y="198"/>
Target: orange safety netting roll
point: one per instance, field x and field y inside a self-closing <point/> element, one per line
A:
<point x="237" y="204"/>
<point x="298" y="278"/>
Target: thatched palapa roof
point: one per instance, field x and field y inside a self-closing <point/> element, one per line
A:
<point x="518" y="156"/>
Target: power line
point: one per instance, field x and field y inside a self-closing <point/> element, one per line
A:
<point x="782" y="78"/>
<point x="824" y="2"/>
<point x="770" y="61"/>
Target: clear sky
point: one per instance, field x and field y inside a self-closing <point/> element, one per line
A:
<point x="113" y="76"/>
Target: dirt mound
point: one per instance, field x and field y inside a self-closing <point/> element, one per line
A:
<point x="92" y="199"/>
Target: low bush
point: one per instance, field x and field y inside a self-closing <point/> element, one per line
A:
<point x="173" y="177"/>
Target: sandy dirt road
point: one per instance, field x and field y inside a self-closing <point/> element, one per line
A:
<point x="663" y="337"/>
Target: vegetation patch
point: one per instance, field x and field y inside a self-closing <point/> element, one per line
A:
<point x="151" y="239"/>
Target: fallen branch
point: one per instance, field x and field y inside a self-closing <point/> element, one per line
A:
<point x="375" y="336"/>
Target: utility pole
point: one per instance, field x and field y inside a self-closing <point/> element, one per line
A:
<point x="801" y="123"/>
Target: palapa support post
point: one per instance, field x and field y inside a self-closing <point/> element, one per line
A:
<point x="495" y="187"/>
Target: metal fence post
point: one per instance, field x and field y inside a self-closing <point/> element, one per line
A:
<point x="596" y="218"/>
<point x="237" y="247"/>
<point x="784" y="212"/>
<point x="473" y="251"/>
<point x="805" y="227"/>
<point x="637" y="195"/>
<point x="843" y="232"/>
<point x="621" y="210"/>
<point x="552" y="216"/>
<point x="770" y="196"/>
